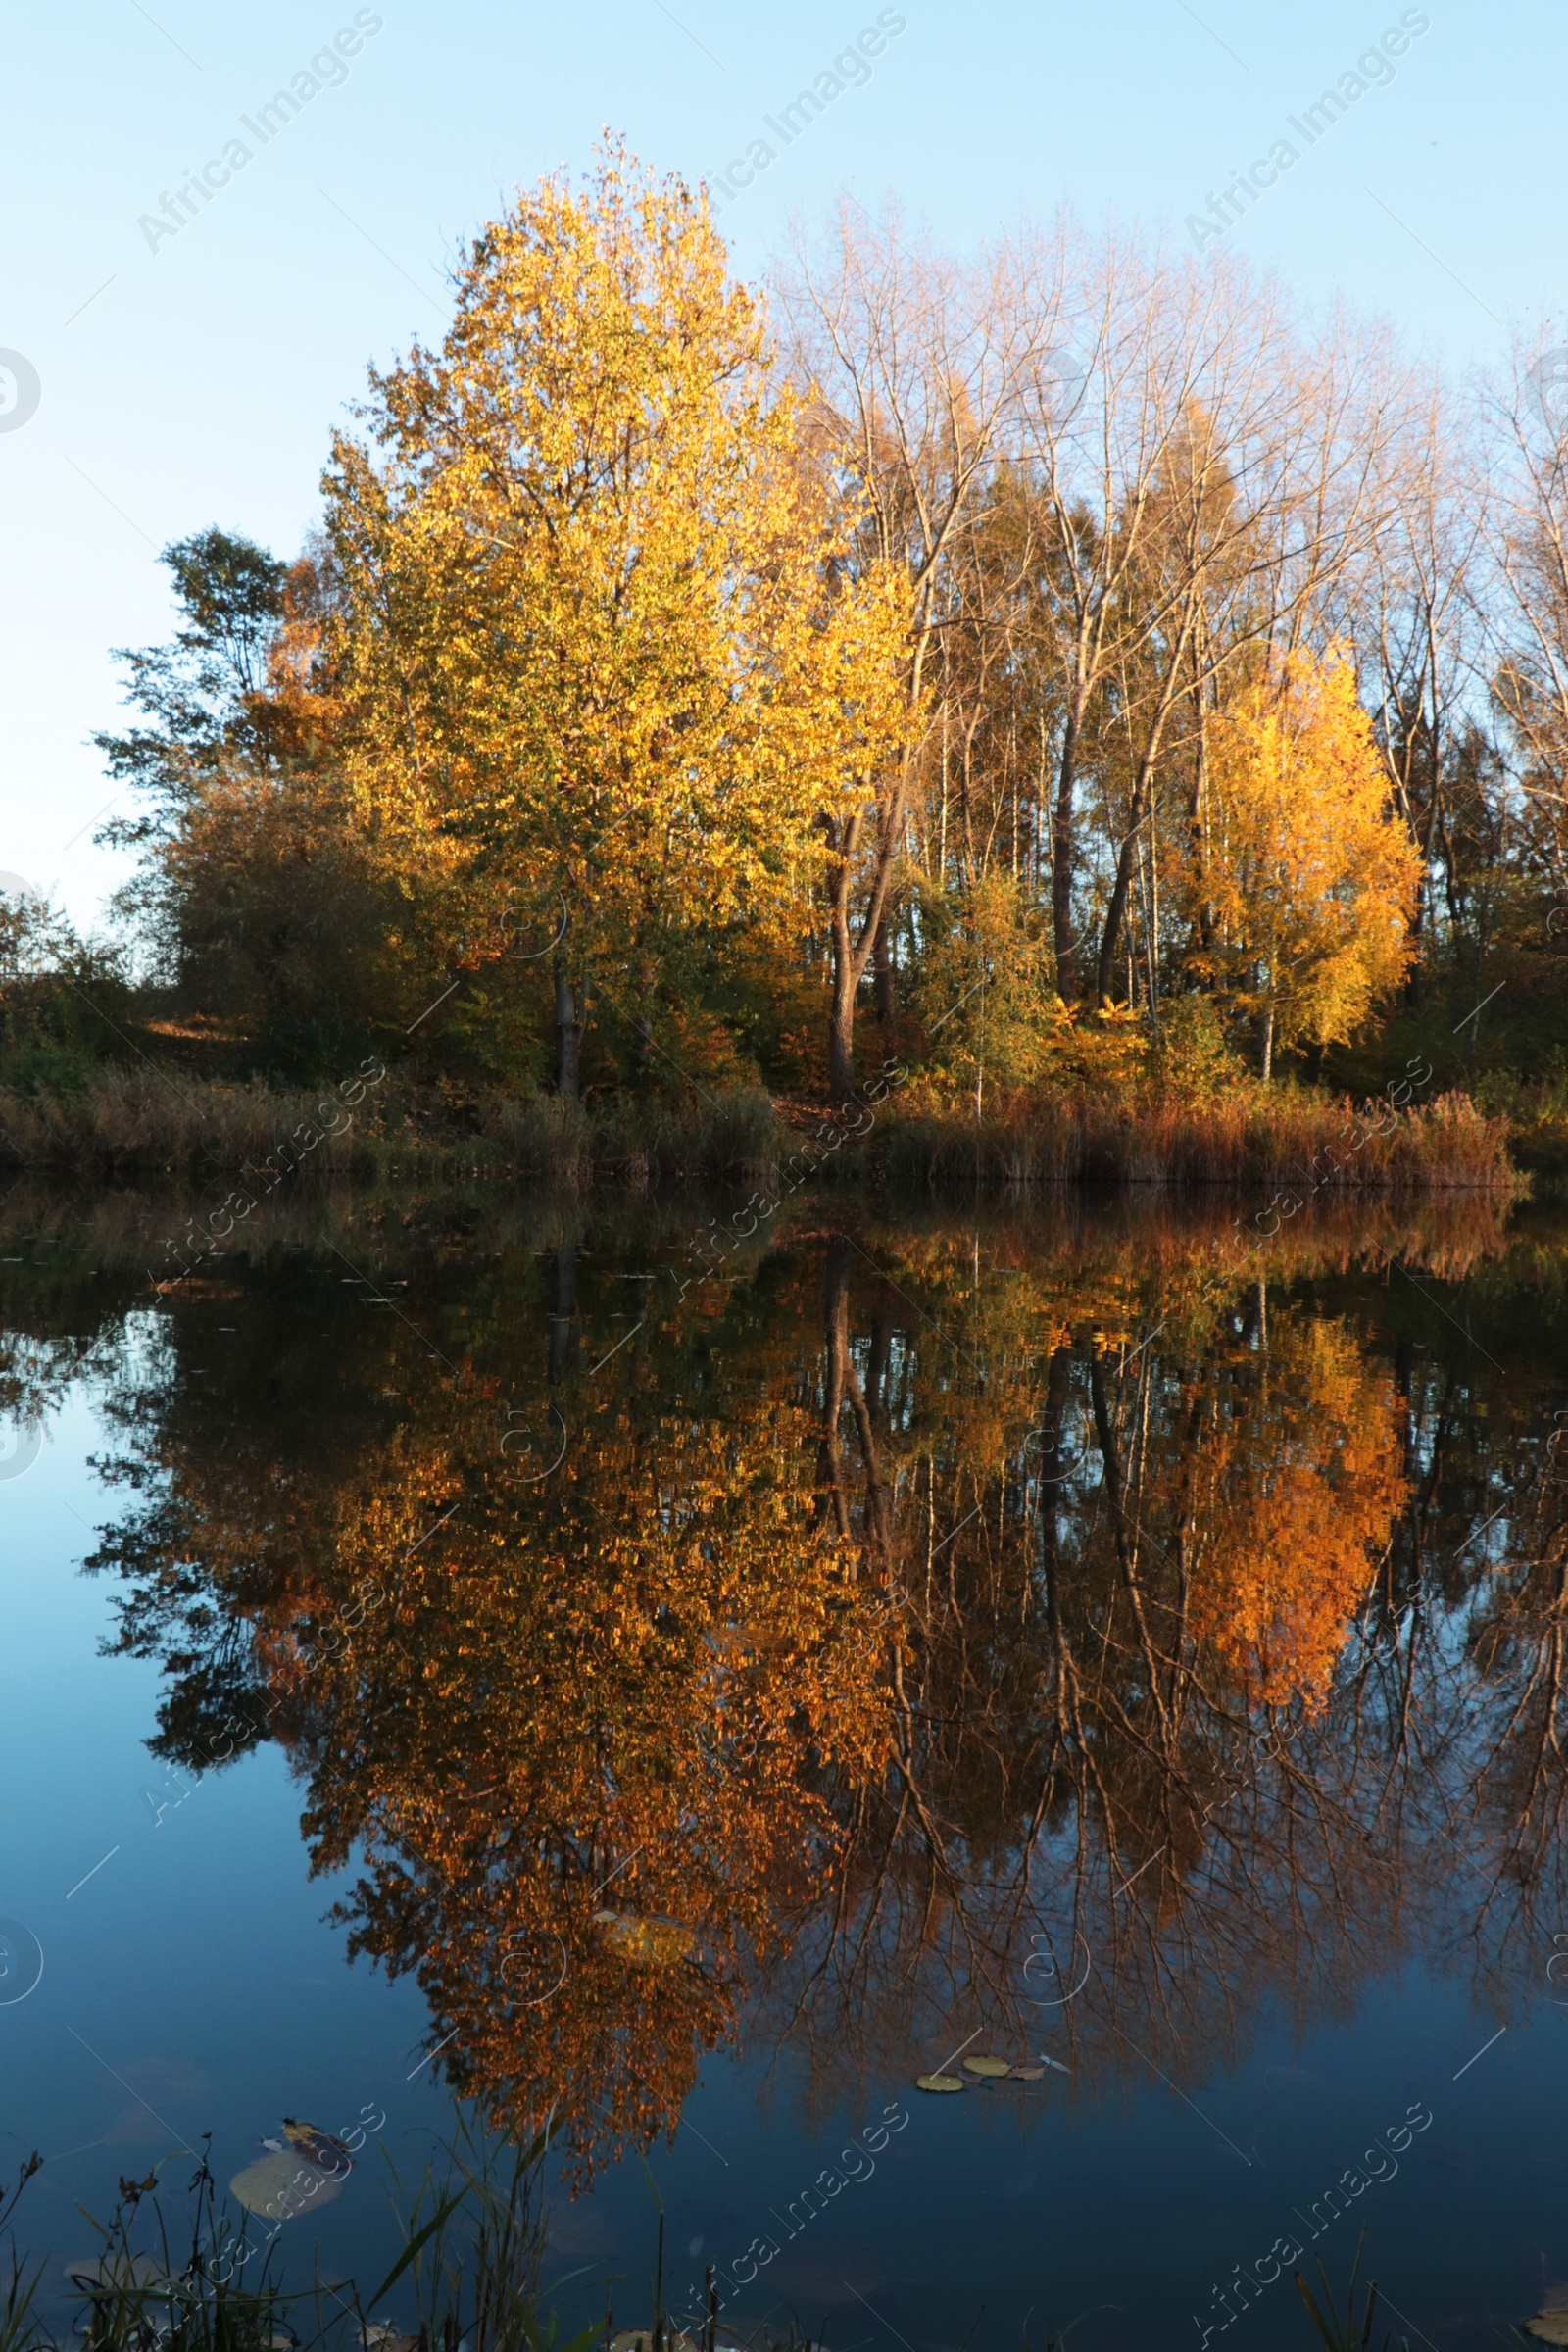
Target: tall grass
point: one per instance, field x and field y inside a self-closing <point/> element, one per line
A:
<point x="737" y="1134"/>
<point x="136" y="1123"/>
<point x="1290" y="1139"/>
<point x="473" y="2239"/>
<point x="142" y="1122"/>
<point x="18" y="2292"/>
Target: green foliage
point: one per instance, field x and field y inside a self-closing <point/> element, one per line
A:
<point x="986" y="988"/>
<point x="1194" y="1056"/>
<point x="65" y="1007"/>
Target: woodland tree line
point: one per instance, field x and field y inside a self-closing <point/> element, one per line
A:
<point x="1060" y="665"/>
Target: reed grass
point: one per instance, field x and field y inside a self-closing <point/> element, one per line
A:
<point x="473" y="2238"/>
<point x="134" y="1123"/>
<point x="467" y="2274"/>
<point x="1292" y="1139"/>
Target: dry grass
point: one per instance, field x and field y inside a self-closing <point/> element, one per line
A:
<point x="737" y="1134"/>
<point x="1289" y="1139"/>
<point x="137" y="1123"/>
<point x="141" y="1122"/>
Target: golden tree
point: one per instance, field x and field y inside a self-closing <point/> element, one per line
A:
<point x="597" y="642"/>
<point x="1306" y="884"/>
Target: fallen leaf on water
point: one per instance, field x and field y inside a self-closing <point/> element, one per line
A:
<point x="645" y="1942"/>
<point x="936" y="2082"/>
<point x="993" y="2068"/>
<point x="1028" y="2074"/>
<point x="319" y="2147"/>
<point x="283" y="2186"/>
<point x="1549" y="2326"/>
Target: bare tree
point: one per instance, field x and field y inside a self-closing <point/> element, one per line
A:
<point x="1421" y="649"/>
<point x="1526" y="525"/>
<point x="917" y="365"/>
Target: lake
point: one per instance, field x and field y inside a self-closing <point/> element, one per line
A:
<point x="487" y="1645"/>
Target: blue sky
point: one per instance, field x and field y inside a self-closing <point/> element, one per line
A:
<point x="198" y="382"/>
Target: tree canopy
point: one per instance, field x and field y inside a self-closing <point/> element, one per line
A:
<point x="684" y="672"/>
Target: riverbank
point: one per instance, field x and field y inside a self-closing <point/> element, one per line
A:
<point x="128" y="1125"/>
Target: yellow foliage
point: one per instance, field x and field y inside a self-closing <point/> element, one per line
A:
<point x="988" y="1001"/>
<point x="597" y="644"/>
<point x="1306" y="879"/>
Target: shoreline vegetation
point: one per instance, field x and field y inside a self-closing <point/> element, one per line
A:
<point x="131" y="1124"/>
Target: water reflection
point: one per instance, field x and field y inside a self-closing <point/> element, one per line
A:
<point x="929" y="1632"/>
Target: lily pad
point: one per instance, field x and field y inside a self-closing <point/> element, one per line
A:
<point x="1028" y="2074"/>
<point x="991" y="2068"/>
<point x="645" y="1942"/>
<point x="938" y="2083"/>
<point x="1548" y="2327"/>
<point x="283" y="2186"/>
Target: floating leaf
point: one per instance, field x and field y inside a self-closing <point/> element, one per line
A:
<point x="1028" y="2074"/>
<point x="281" y="2187"/>
<point x="1549" y="2326"/>
<point x="992" y="2068"/>
<point x="938" y="2083"/>
<point x="645" y="1942"/>
<point x="319" y="2147"/>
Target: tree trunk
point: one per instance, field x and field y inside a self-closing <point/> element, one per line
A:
<point x="840" y="1014"/>
<point x="851" y="955"/>
<point x="1143" y="804"/>
<point x="887" y="994"/>
<point x="1061" y="847"/>
<point x="568" y="1034"/>
<point x="1105" y="976"/>
<point x="1266" y="1048"/>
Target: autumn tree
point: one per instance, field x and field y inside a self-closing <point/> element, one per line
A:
<point x="1311" y="885"/>
<point x="916" y="366"/>
<point x="598" y="645"/>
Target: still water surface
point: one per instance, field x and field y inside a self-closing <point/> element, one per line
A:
<point x="441" y="1654"/>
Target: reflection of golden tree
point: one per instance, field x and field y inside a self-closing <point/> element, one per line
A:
<point x="630" y="1687"/>
<point x="1295" y="1482"/>
<point x="616" y="1693"/>
<point x="668" y="1667"/>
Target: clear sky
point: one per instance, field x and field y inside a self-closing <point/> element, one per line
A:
<point x="196" y="380"/>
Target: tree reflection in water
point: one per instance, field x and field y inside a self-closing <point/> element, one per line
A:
<point x="926" y="1626"/>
